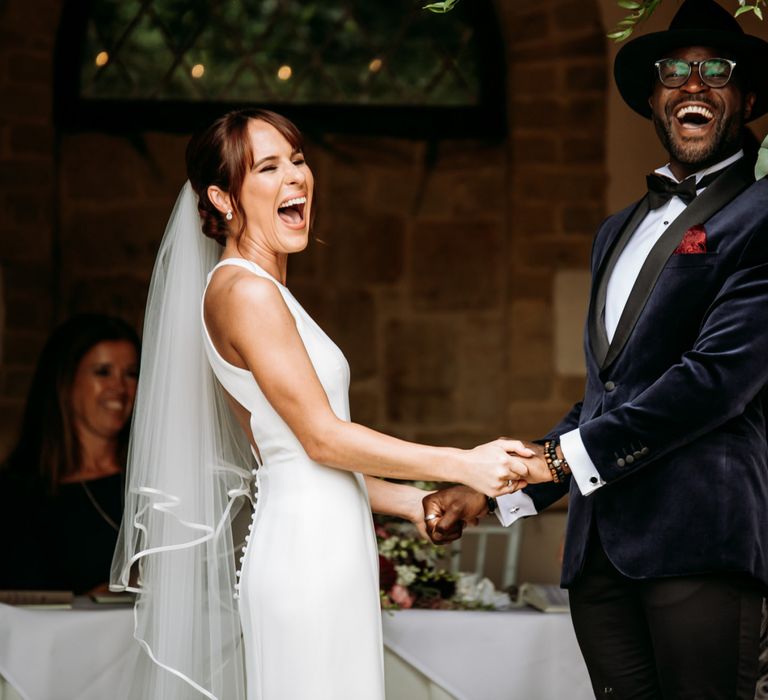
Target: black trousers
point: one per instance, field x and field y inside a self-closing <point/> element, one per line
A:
<point x="682" y="638"/>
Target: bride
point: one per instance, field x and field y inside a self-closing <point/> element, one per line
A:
<point x="303" y="590"/>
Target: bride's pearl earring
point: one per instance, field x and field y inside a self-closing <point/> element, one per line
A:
<point x="228" y="215"/>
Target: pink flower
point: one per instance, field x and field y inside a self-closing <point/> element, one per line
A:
<point x="400" y="595"/>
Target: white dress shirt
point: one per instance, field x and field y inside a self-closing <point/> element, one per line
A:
<point x="620" y="284"/>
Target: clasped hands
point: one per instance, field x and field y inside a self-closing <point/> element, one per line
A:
<point x="447" y="511"/>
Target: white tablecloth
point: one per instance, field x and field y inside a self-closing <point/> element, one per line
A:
<point x="517" y="655"/>
<point x="520" y="655"/>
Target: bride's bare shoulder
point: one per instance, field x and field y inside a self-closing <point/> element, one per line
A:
<point x="233" y="288"/>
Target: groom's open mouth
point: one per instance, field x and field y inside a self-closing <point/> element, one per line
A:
<point x="694" y="117"/>
<point x="291" y="211"/>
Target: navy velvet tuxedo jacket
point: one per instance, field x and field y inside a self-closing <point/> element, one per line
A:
<point x="674" y="410"/>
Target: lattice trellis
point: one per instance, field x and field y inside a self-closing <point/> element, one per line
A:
<point x="335" y="52"/>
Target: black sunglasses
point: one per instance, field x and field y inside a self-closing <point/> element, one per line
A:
<point x="714" y="72"/>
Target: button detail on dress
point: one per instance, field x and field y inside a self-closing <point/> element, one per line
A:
<point x="609" y="385"/>
<point x="644" y="451"/>
<point x="592" y="479"/>
<point x="630" y="459"/>
<point x="620" y="462"/>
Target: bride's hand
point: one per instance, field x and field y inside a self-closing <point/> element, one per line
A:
<point x="497" y="468"/>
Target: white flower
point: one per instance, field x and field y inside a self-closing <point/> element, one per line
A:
<point x="406" y="574"/>
<point x="471" y="590"/>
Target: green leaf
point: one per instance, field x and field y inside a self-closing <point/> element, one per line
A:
<point x="758" y="12"/>
<point x="629" y="4"/>
<point x="441" y="7"/>
<point x="620" y="36"/>
<point x="742" y="10"/>
<point x="761" y="167"/>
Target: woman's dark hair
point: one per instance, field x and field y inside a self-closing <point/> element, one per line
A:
<point x="221" y="155"/>
<point x="48" y="446"/>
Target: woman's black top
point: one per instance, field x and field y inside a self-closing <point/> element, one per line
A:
<point x="58" y="542"/>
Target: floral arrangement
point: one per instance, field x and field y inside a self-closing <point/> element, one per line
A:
<point x="410" y="575"/>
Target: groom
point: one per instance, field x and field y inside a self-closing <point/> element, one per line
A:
<point x="665" y="458"/>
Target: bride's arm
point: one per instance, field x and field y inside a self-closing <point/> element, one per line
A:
<point x="401" y="500"/>
<point x="250" y="323"/>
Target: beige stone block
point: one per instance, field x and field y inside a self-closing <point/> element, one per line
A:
<point x="533" y="420"/>
<point x="466" y="154"/>
<point x="122" y="237"/>
<point x="582" y="219"/>
<point x="119" y="295"/>
<point x="540" y="547"/>
<point x="529" y="282"/>
<point x="16" y="245"/>
<point x="456" y="195"/>
<point x="32" y="139"/>
<point x="101" y="168"/>
<point x="482" y="369"/>
<point x="364" y="248"/>
<point x="22" y="347"/>
<point x="571" y="299"/>
<point x="586" y="76"/>
<point x="557" y="252"/>
<point x="349" y="317"/>
<point x="456" y="266"/>
<point x="420" y="371"/>
<point x="531" y="146"/>
<point x="530" y="333"/>
<point x="535" y="218"/>
<point x="570" y="388"/>
<point x="455" y="437"/>
<point x="365" y="406"/>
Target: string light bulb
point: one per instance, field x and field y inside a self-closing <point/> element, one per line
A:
<point x="284" y="72"/>
<point x="198" y="70"/>
<point x="102" y="58"/>
<point x="375" y="65"/>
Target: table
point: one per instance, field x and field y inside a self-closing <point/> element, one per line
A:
<point x="517" y="655"/>
<point x="83" y="654"/>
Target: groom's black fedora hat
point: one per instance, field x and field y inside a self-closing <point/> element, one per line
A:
<point x="697" y="23"/>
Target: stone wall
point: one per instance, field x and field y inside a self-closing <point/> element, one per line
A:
<point x="29" y="257"/>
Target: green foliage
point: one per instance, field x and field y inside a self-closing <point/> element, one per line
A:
<point x="641" y="10"/>
<point x="745" y="7"/>
<point x="441" y="7"/>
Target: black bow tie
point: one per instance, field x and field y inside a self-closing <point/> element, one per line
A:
<point x="661" y="189"/>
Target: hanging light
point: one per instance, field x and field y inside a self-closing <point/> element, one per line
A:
<point x="198" y="70"/>
<point x="102" y="58"/>
<point x="284" y="72"/>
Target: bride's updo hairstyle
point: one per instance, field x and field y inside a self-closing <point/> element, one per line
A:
<point x="221" y="155"/>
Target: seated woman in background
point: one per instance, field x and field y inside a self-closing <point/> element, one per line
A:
<point x="61" y="487"/>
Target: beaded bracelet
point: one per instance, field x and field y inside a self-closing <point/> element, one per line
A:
<point x="558" y="467"/>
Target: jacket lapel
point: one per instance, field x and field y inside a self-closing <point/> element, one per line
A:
<point x="722" y="191"/>
<point x="598" y="338"/>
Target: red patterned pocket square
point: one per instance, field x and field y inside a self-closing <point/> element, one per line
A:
<point x="694" y="241"/>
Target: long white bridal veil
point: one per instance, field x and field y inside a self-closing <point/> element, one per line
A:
<point x="188" y="472"/>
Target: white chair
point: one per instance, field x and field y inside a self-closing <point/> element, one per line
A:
<point x="479" y="549"/>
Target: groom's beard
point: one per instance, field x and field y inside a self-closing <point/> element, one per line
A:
<point x="701" y="152"/>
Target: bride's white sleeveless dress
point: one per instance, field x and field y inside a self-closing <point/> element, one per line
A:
<point x="308" y="583"/>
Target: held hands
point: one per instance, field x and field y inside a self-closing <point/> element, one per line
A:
<point x="447" y="511"/>
<point x="497" y="467"/>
